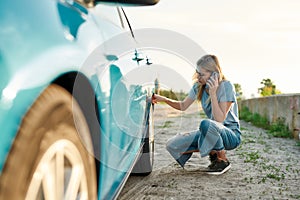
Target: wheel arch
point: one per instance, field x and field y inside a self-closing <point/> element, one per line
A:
<point x="79" y="86"/>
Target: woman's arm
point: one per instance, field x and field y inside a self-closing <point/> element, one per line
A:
<point x="179" y="105"/>
<point x="219" y="109"/>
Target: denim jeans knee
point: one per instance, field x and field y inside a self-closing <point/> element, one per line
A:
<point x="216" y="136"/>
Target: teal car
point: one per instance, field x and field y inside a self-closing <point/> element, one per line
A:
<point x="73" y="124"/>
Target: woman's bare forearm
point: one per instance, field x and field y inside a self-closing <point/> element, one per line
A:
<point x="179" y="105"/>
<point x="174" y="104"/>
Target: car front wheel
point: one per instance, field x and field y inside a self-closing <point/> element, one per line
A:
<point x="48" y="159"/>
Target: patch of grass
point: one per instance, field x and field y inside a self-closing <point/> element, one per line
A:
<point x="266" y="150"/>
<point x="250" y="157"/>
<point x="244" y="129"/>
<point x="273" y="172"/>
<point x="248" y="140"/>
<point x="297" y="196"/>
<point x="260" y="121"/>
<point x="276" y="129"/>
<point x="245" y="114"/>
<point x="265" y="170"/>
<point x="167" y="124"/>
<point x="202" y="114"/>
<point x="275" y="176"/>
<point x="279" y="129"/>
<point x="261" y="141"/>
<point x="254" y="118"/>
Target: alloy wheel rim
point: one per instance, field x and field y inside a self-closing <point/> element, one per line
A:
<point x="60" y="174"/>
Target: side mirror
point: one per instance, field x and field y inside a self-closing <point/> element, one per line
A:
<point x="131" y="2"/>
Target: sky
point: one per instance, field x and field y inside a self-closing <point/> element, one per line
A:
<point x="253" y="40"/>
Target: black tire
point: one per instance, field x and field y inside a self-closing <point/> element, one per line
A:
<point x="144" y="165"/>
<point x="47" y="150"/>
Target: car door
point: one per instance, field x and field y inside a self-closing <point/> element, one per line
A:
<point x="122" y="99"/>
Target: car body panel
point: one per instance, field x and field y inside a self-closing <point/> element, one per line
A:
<point x="39" y="45"/>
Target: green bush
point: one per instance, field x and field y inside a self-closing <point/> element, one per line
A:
<point x="277" y="128"/>
<point x="255" y="118"/>
<point x="260" y="121"/>
<point x="245" y="114"/>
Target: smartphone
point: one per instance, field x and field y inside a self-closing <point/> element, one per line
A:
<point x="214" y="75"/>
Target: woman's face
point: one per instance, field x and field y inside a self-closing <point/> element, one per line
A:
<point x="203" y="75"/>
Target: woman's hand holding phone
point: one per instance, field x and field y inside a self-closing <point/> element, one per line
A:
<point x="213" y="83"/>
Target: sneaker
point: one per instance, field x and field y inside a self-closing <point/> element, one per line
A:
<point x="220" y="167"/>
<point x="213" y="159"/>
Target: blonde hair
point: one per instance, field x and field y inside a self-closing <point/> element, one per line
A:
<point x="210" y="63"/>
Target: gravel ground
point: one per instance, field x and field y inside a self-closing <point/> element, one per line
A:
<point x="263" y="167"/>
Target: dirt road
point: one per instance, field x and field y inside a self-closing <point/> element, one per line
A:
<point x="263" y="167"/>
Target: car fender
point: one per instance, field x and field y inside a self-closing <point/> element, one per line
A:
<point x="27" y="83"/>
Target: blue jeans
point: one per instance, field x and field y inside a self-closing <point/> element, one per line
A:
<point x="210" y="136"/>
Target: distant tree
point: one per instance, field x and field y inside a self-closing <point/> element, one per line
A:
<point x="173" y="95"/>
<point x="238" y="90"/>
<point x="268" y="88"/>
<point x="181" y="95"/>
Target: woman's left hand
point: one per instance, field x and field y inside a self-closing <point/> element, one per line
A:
<point x="213" y="84"/>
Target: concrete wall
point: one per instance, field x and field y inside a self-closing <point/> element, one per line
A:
<point x="273" y="107"/>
